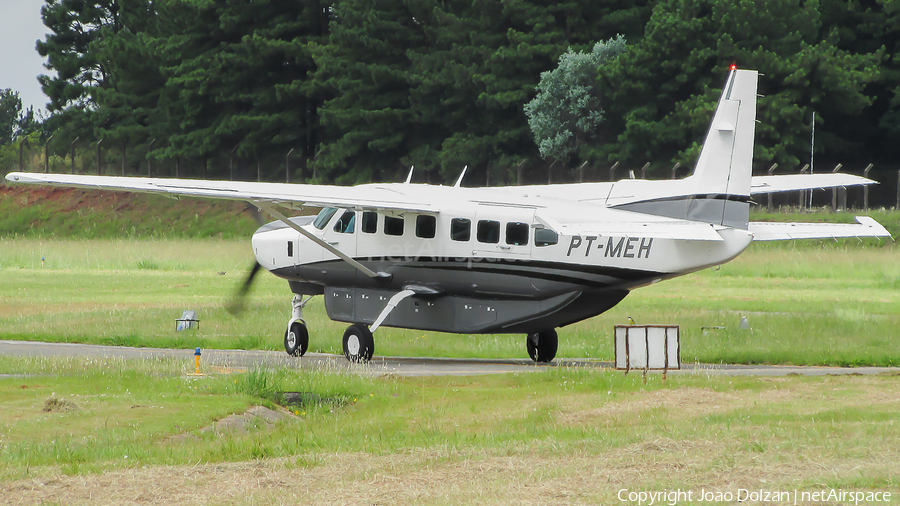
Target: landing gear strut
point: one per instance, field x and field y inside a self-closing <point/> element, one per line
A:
<point x="358" y="343"/>
<point x="542" y="346"/>
<point x="296" y="337"/>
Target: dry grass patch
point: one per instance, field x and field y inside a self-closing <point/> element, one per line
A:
<point x="773" y="434"/>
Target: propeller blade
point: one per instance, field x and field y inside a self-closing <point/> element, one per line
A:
<point x="236" y="306"/>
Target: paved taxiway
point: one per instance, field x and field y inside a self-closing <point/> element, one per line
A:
<point x="400" y="366"/>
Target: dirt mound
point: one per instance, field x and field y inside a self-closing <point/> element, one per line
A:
<point x="57" y="405"/>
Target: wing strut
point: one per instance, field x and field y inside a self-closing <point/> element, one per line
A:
<point x="270" y="208"/>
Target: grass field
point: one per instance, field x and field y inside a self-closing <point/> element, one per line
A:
<point x="557" y="436"/>
<point x="829" y="304"/>
<point x="137" y="432"/>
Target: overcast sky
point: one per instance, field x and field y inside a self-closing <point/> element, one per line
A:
<point x="20" y="64"/>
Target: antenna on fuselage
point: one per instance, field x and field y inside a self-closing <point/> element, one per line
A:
<point x="409" y="176"/>
<point x="461" y="176"/>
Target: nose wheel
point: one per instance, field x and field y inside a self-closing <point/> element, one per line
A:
<point x="542" y="346"/>
<point x="296" y="339"/>
<point x="358" y="343"/>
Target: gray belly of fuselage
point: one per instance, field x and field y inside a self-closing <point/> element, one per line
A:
<point x="471" y="296"/>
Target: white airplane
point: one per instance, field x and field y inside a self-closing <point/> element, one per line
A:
<point x="522" y="259"/>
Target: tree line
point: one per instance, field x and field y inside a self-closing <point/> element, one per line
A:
<point x="351" y="91"/>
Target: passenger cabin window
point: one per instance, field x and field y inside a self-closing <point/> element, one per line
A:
<point x="425" y="226"/>
<point x="460" y="229"/>
<point x="517" y="234"/>
<point x="393" y="226"/>
<point x="345" y="224"/>
<point x="324" y="217"/>
<point x="488" y="231"/>
<point x="545" y="237"/>
<point x="370" y="222"/>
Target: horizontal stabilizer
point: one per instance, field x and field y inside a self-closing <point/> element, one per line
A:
<point x="796" y="182"/>
<point x="865" y="227"/>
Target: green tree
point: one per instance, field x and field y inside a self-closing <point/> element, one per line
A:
<point x="234" y="76"/>
<point x="10" y="115"/>
<point x="568" y="107"/>
<point x="663" y="89"/>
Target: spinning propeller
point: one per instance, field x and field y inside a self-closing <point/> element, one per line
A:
<point x="239" y="301"/>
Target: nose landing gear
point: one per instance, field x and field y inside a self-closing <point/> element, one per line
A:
<point x="296" y="337"/>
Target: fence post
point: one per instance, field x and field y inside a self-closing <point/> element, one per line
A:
<point x="803" y="192"/>
<point x="177" y="167"/>
<point x="73" y="152"/>
<point x="834" y="191"/>
<point x="898" y="190"/>
<point x="612" y="172"/>
<point x="231" y="161"/>
<point x="771" y="170"/>
<point x="47" y="154"/>
<point x="150" y="158"/>
<point x="22" y="144"/>
<point x="287" y="166"/>
<point x="675" y="169"/>
<point x="866" y="187"/>
<point x="644" y="170"/>
<point x="98" y="155"/>
<point x="124" y="155"/>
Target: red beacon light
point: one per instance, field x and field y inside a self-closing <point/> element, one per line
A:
<point x="733" y="66"/>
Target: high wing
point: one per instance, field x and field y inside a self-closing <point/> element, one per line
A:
<point x="772" y="231"/>
<point x="795" y="182"/>
<point x="372" y="197"/>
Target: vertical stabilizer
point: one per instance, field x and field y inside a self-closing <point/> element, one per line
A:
<point x="724" y="167"/>
<point x="719" y="190"/>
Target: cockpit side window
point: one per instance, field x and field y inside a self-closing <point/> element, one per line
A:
<point x="545" y="237"/>
<point x="370" y="222"/>
<point x="324" y="217"/>
<point x="346" y="225"/>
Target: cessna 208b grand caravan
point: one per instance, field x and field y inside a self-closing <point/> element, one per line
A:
<point x="523" y="259"/>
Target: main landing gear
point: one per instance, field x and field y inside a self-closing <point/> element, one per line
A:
<point x="542" y="346"/>
<point x="358" y="343"/>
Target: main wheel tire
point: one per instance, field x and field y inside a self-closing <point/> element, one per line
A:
<point x="358" y="343"/>
<point x="296" y="339"/>
<point x="542" y="346"/>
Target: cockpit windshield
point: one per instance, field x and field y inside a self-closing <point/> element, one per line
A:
<point x="324" y="217"/>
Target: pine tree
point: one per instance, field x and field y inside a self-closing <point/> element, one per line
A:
<point x="663" y="89"/>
